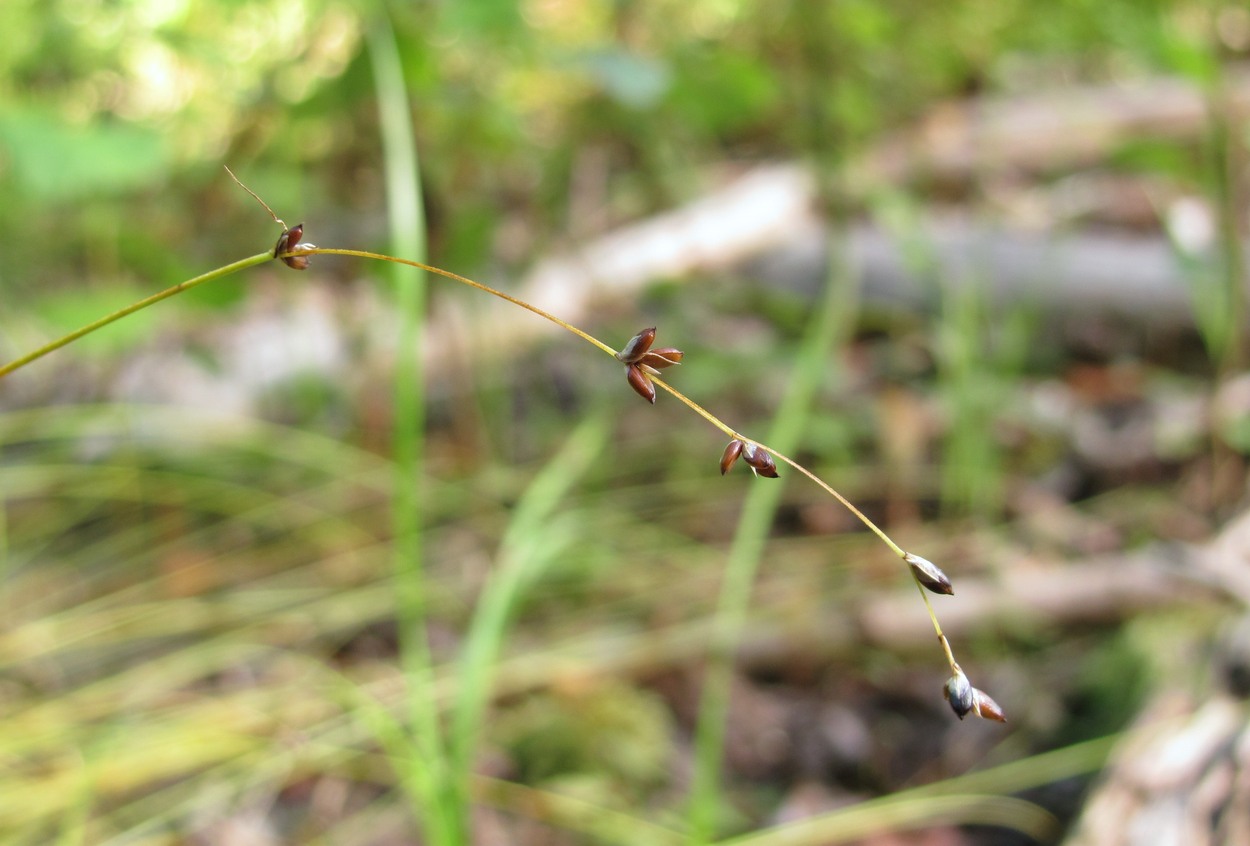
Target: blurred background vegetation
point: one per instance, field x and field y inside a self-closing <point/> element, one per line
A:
<point x="200" y="599"/>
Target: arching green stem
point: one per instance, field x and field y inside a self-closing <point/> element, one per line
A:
<point x="33" y="355"/>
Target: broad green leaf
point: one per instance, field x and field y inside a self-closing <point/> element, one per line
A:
<point x="54" y="161"/>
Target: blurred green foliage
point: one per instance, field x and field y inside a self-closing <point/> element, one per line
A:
<point x="114" y="120"/>
<point x="614" y="734"/>
<point x="132" y="106"/>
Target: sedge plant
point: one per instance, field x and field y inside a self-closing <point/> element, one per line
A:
<point x="642" y="360"/>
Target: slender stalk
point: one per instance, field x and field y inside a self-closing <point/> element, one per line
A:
<point x="33" y="355"/>
<point x="937" y="628"/>
<point x="780" y="456"/>
<point x="687" y="401"/>
<point x="464" y="280"/>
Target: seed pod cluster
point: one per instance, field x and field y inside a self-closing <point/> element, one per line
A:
<point x="965" y="699"/>
<point x="756" y="457"/>
<point x="288" y="242"/>
<point x="642" y="362"/>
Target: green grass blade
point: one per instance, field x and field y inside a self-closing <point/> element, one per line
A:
<point x="443" y="822"/>
<point x="978" y="797"/>
<point x="527" y="546"/>
<point x="834" y="315"/>
<point x="889" y="814"/>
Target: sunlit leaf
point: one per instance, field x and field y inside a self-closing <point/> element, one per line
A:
<point x="54" y="160"/>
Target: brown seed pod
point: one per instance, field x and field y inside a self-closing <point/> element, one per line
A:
<point x="288" y="242"/>
<point x="658" y="359"/>
<point x="759" y="460"/>
<point x="929" y="574"/>
<point x="640" y="382"/>
<point x="959" y="693"/>
<point x="985" y="707"/>
<point x="730" y="455"/>
<point x="637" y="347"/>
<point x="289" y="239"/>
<point x="641" y="362"/>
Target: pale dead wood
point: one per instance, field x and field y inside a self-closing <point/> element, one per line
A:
<point x="1181" y="777"/>
<point x="1050" y="130"/>
<point x="1095" y="591"/>
<point x="770" y="211"/>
